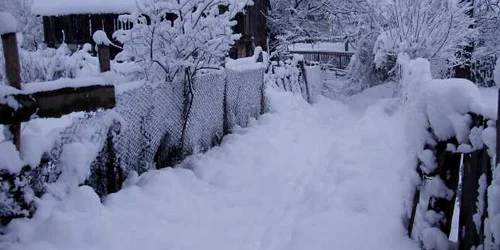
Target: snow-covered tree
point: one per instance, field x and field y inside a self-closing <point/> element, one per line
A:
<point x="29" y="25"/>
<point x="419" y="28"/>
<point x="298" y="20"/>
<point x="487" y="16"/>
<point x="172" y="37"/>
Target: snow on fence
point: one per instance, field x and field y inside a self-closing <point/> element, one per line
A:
<point x="151" y="126"/>
<point x="293" y="76"/>
<point x="456" y="138"/>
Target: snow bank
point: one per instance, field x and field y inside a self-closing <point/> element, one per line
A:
<point x="8" y="23"/>
<point x="66" y="7"/>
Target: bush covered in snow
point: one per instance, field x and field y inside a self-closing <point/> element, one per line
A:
<point x="29" y="26"/>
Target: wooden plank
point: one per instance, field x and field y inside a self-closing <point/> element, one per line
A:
<point x="56" y="103"/>
<point x="475" y="165"/>
<point x="448" y="170"/>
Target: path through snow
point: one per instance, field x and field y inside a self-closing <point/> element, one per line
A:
<point x="303" y="177"/>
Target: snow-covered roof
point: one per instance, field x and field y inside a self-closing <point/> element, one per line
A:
<point x="67" y="7"/>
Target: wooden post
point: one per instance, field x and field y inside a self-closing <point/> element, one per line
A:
<point x="498" y="131"/>
<point x="104" y="57"/>
<point x="13" y="72"/>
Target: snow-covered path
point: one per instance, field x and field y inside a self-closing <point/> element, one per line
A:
<point x="303" y="177"/>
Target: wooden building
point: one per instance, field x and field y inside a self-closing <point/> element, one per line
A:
<point x="74" y="22"/>
<point x="252" y="25"/>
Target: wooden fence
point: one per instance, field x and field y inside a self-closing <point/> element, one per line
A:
<point x="469" y="190"/>
<point x="339" y="60"/>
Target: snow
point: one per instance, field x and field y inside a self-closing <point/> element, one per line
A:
<point x="321" y="46"/>
<point x="483" y="185"/>
<point x="489" y="97"/>
<point x="293" y="179"/>
<point x="100" y="38"/>
<point x="66" y="7"/>
<point x="8" y="23"/>
<point x="314" y="82"/>
<point x="37" y="137"/>
<point x="63" y="83"/>
<point x="9" y="158"/>
<point x="445" y="103"/>
<point x="246" y="63"/>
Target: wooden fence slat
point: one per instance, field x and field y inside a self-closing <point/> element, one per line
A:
<point x="475" y="165"/>
<point x="448" y="170"/>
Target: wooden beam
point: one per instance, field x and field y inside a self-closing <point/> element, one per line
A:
<point x="56" y="103"/>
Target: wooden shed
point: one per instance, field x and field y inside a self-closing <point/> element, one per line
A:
<point x="74" y="22"/>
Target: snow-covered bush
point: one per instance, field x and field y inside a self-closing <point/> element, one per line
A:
<point x="170" y="36"/>
<point x="361" y="71"/>
<point x="51" y="64"/>
<point x="29" y="25"/>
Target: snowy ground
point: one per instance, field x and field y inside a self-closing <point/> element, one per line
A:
<point x="302" y="177"/>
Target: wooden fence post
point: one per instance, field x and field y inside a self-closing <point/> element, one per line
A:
<point x="497" y="160"/>
<point x="104" y="57"/>
<point x="13" y="73"/>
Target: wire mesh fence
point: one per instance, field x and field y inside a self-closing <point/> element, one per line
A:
<point x="152" y="126"/>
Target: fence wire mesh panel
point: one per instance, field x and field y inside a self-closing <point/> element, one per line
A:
<point x="204" y="126"/>
<point x="149" y="114"/>
<point x="244" y="95"/>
